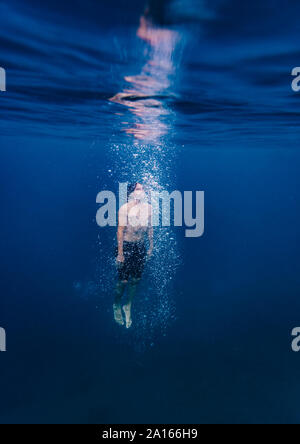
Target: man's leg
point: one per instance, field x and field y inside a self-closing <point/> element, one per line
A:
<point x="119" y="291"/>
<point x="132" y="289"/>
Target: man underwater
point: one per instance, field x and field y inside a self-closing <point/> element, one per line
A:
<point x="135" y="221"/>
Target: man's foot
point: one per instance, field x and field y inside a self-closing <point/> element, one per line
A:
<point x="118" y="314"/>
<point x="127" y="311"/>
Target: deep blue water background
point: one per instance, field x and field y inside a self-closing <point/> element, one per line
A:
<point x="220" y="350"/>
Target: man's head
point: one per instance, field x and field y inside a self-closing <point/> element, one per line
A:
<point x="135" y="191"/>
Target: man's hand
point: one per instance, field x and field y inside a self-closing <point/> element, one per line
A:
<point x="150" y="252"/>
<point x="120" y="258"/>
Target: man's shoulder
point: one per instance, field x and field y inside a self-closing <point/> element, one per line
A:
<point x="123" y="209"/>
<point x="149" y="206"/>
<point x="148" y="209"/>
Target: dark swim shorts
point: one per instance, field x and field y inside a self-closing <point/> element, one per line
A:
<point x="135" y="254"/>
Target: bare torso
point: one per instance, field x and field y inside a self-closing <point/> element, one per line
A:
<point x="135" y="217"/>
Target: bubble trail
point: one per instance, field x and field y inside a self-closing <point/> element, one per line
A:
<point x="147" y="155"/>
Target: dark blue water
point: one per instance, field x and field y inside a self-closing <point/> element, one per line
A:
<point x="200" y="99"/>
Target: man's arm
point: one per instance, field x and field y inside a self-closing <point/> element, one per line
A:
<point x="150" y="233"/>
<point x="150" y="237"/>
<point x="120" y="235"/>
